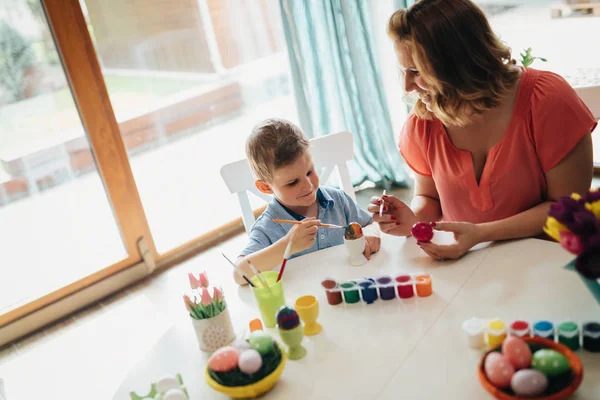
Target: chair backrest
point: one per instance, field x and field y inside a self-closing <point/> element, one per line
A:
<point x="591" y="97"/>
<point x="328" y="152"/>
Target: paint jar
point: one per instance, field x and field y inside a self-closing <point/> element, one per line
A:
<point x="591" y="336"/>
<point x="496" y="332"/>
<point x="405" y="286"/>
<point x="520" y="328"/>
<point x="350" y="292"/>
<point x="334" y="297"/>
<point x="474" y="328"/>
<point x="544" y="329"/>
<point x="368" y="290"/>
<point x="387" y="291"/>
<point x="423" y="284"/>
<point x="568" y="334"/>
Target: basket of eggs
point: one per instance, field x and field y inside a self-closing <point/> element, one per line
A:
<point x="530" y="367"/>
<point x="247" y="368"/>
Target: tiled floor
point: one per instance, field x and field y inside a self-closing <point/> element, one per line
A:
<point x="87" y="355"/>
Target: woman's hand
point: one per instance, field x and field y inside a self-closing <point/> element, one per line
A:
<point x="466" y="236"/>
<point x="397" y="218"/>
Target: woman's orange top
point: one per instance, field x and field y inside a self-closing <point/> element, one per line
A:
<point x="549" y="119"/>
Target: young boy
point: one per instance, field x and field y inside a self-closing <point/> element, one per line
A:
<point x="279" y="156"/>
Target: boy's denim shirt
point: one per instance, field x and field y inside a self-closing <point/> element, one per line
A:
<point x="335" y="207"/>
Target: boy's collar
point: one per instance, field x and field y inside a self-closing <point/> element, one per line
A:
<point x="324" y="201"/>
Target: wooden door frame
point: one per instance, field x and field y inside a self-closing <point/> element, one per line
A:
<point x="83" y="72"/>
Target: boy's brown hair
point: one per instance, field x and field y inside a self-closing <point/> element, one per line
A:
<point x="274" y="143"/>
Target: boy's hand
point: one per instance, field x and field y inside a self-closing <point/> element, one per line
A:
<point x="303" y="235"/>
<point x="372" y="245"/>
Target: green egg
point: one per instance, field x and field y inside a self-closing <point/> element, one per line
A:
<point x="549" y="362"/>
<point x="261" y="342"/>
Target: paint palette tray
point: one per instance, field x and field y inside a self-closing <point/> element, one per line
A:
<point x="385" y="287"/>
<point x="569" y="333"/>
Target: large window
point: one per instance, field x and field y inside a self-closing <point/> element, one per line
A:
<point x="559" y="31"/>
<point x="187" y="80"/>
<point x="56" y="224"/>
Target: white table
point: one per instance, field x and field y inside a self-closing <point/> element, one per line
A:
<point x="411" y="349"/>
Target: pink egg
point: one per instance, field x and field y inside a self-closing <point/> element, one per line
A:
<point x="528" y="383"/>
<point x="224" y="359"/>
<point x="517" y="352"/>
<point x="250" y="361"/>
<point x="498" y="370"/>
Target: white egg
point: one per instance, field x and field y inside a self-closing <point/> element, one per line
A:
<point x="167" y="382"/>
<point x="250" y="361"/>
<point x="175" y="394"/>
<point x="241" y="344"/>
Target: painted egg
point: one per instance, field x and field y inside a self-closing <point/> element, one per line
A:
<point x="167" y="382"/>
<point x="422" y="231"/>
<point x="261" y="342"/>
<point x="224" y="359"/>
<point x="517" y="352"/>
<point x="175" y="394"/>
<point x="241" y="345"/>
<point x="498" y="370"/>
<point x="250" y="361"/>
<point x="528" y="383"/>
<point x="550" y="362"/>
<point x="353" y="231"/>
<point x="287" y="318"/>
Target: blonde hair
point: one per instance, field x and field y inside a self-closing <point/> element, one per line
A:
<point x="458" y="55"/>
<point x="274" y="143"/>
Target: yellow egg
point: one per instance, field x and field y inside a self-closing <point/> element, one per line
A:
<point x="224" y="359"/>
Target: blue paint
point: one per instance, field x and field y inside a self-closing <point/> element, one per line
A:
<point x="369" y="291"/>
<point x="544" y="329"/>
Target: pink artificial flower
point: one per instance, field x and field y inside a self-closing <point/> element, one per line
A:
<point x="571" y="242"/>
<point x="204" y="279"/>
<point x="195" y="283"/>
<point x="206" y="299"/>
<point x="217" y="294"/>
<point x="189" y="304"/>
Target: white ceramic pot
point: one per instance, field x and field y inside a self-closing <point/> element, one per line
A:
<point x="355" y="250"/>
<point x="215" y="332"/>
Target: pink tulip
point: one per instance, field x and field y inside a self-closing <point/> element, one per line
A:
<point x="571" y="242"/>
<point x="204" y="279"/>
<point x="195" y="283"/>
<point x="217" y="294"/>
<point x="189" y="304"/>
<point x="206" y="299"/>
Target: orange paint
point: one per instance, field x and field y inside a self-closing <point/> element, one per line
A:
<point x="423" y="284"/>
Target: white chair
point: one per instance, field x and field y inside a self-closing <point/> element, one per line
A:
<point x="328" y="152"/>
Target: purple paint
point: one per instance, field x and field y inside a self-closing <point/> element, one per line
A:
<point x="387" y="292"/>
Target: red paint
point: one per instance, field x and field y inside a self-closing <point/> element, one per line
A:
<point x="405" y="290"/>
<point x="333" y="298"/>
<point x="520" y="328"/>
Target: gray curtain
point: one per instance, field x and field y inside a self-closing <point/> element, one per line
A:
<point x="337" y="82"/>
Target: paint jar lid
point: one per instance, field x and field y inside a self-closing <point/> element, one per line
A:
<point x="348" y="285"/>
<point x="496" y="326"/>
<point x="568" y="329"/>
<point x="473" y="326"/>
<point x="591" y="329"/>
<point x="519" y="325"/>
<point x="543" y="326"/>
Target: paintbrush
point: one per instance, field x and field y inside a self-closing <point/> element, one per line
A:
<point x="381" y="206"/>
<point x="260" y="278"/>
<point x="235" y="267"/>
<point x="286" y="255"/>
<point x="289" y="221"/>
